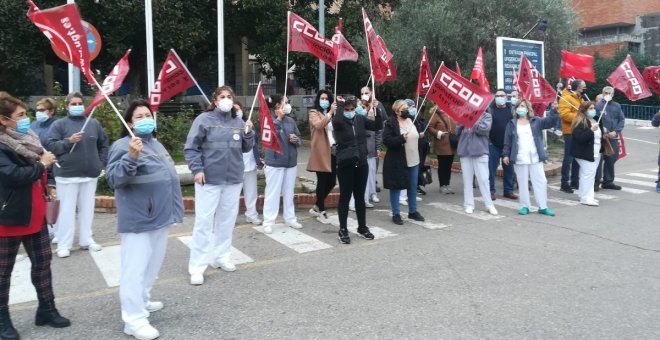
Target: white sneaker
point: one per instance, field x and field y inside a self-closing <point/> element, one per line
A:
<point x="558" y="133"/>
<point x="154" y="306"/>
<point x="196" y="279"/>
<point x="323" y="218"/>
<point x="591" y="203"/>
<point x="224" y="265"/>
<point x="314" y="211"/>
<point x="368" y="205"/>
<point x="403" y="202"/>
<point x="255" y="221"/>
<point x="268" y="229"/>
<point x="144" y="332"/>
<point x="469" y="210"/>
<point x="63" y="253"/>
<point x="54" y="241"/>
<point x="93" y="246"/>
<point x="375" y="198"/>
<point x="294" y="225"/>
<point x="492" y="211"/>
<point x="351" y="208"/>
<point x="419" y="199"/>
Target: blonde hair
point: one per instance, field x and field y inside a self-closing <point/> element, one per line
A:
<point x="581" y="117"/>
<point x="48" y="103"/>
<point x="528" y="105"/>
<point x="398" y="104"/>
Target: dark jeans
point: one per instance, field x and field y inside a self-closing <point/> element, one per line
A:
<point x="569" y="165"/>
<point x="605" y="171"/>
<point x="37" y="246"/>
<point x="395" y="195"/>
<point x="444" y="169"/>
<point x="494" y="157"/>
<point x="352" y="181"/>
<point x="325" y="182"/>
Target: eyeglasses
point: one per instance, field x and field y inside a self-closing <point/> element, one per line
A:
<point x="363" y="93"/>
<point x="500" y="95"/>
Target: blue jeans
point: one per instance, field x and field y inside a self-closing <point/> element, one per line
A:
<point x="494" y="157"/>
<point x="412" y="193"/>
<point x="569" y="165"/>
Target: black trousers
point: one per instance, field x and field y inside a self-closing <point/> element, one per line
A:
<point x="352" y="181"/>
<point x="325" y="182"/>
<point x="444" y="169"/>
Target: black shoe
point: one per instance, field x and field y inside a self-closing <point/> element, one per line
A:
<point x="47" y="314"/>
<point x="397" y="219"/>
<point x="343" y="236"/>
<point x="421" y="191"/>
<point x="416" y="216"/>
<point x="575" y="186"/>
<point x="7" y="330"/>
<point x="566" y="188"/>
<point x="365" y="233"/>
<point x="377" y="189"/>
<point x="611" y="186"/>
<point x="596" y="188"/>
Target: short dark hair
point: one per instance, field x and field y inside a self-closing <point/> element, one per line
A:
<point x="350" y="100"/>
<point x="575" y="84"/>
<point x="128" y="115"/>
<point x="500" y="89"/>
<point x="317" y="101"/>
<point x="8" y="104"/>
<point x="274" y="99"/>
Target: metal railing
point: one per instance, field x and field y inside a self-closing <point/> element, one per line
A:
<point x="641" y="112"/>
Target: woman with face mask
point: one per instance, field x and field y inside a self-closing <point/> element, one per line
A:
<point x="352" y="169"/>
<point x="45" y="115"/>
<point x="76" y="178"/>
<point x="524" y="148"/>
<point x="363" y="109"/>
<point x="586" y="148"/>
<point x="281" y="168"/>
<point x="148" y="198"/>
<point x="420" y="124"/>
<point x="214" y="151"/>
<point x="322" y="160"/>
<point x="442" y="127"/>
<point x="23" y="163"/>
<point x="401" y="164"/>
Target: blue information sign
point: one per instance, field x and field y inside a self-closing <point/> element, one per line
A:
<point x="509" y="52"/>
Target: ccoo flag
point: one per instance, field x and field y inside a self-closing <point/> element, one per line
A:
<point x="627" y="79"/>
<point x="172" y="79"/>
<point x="303" y="37"/>
<point x="424" y="80"/>
<point x="111" y="83"/>
<point x="269" y="138"/>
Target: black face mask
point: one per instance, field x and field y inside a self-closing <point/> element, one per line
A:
<point x="405" y="114"/>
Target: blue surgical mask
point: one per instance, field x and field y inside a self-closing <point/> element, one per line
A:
<point x="145" y="126"/>
<point x="521" y="111"/>
<point x="591" y="113"/>
<point x="23" y="125"/>
<point x="349" y="114"/>
<point x="324" y="103"/>
<point x="500" y="101"/>
<point x="361" y="111"/>
<point x="412" y="111"/>
<point x="514" y="101"/>
<point x="41" y="116"/>
<point x="76" y="110"/>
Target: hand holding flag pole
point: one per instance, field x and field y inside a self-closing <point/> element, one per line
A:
<point x="83" y="128"/>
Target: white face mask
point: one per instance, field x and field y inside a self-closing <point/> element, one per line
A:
<point x="287" y="108"/>
<point x="225" y="104"/>
<point x="365" y="97"/>
<point x="607" y="97"/>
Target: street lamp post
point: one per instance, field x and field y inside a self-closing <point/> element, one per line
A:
<point x="221" y="44"/>
<point x="74" y="72"/>
<point x="150" y="45"/>
<point x="322" y="32"/>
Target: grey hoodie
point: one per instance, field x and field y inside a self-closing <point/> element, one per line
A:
<point x="147" y="189"/>
<point x="473" y="142"/>
<point x="89" y="156"/>
<point x="289" y="156"/>
<point x="215" y="146"/>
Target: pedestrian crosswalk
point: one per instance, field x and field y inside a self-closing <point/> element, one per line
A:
<point x="315" y="237"/>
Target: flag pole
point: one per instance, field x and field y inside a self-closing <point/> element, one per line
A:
<point x="286" y="66"/>
<point x="427" y="93"/>
<point x="420" y="72"/>
<point x="191" y="76"/>
<point x="429" y="123"/>
<point x="371" y="66"/>
<point x="336" y="73"/>
<point x="83" y="127"/>
<point x="602" y="113"/>
<point x="254" y="101"/>
<point x="114" y="108"/>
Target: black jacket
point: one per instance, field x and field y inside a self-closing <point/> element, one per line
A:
<point x="395" y="166"/>
<point x="346" y="136"/>
<point x="582" y="146"/>
<point x="16" y="178"/>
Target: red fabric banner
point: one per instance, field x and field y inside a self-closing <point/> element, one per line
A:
<point x="534" y="87"/>
<point x="381" y="58"/>
<point x="580" y="66"/>
<point x="341" y="48"/>
<point x="111" y="83"/>
<point x="622" y="147"/>
<point x="268" y="135"/>
<point x="516" y="79"/>
<point x="424" y="80"/>
<point x="460" y="98"/>
<point x="172" y="79"/>
<point x="479" y="71"/>
<point x="652" y="77"/>
<point x="303" y="37"/>
<point x="62" y="25"/>
<point x="627" y="79"/>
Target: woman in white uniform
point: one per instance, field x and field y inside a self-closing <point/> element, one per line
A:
<point x="586" y="148"/>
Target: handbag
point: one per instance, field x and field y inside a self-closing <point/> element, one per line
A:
<point x="52" y="208"/>
<point x="426" y="176"/>
<point x="607" y="147"/>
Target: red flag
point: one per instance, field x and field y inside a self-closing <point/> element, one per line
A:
<point x="652" y="77"/>
<point x="269" y="138"/>
<point x="382" y="61"/>
<point x="425" y="78"/>
<point x="112" y="82"/>
<point x="303" y="37"/>
<point x="577" y="65"/>
<point x="479" y="71"/>
<point x="458" y="69"/>
<point x="622" y="147"/>
<point x="627" y="79"/>
<point x="172" y="79"/>
<point x="62" y="25"/>
<point x="341" y="48"/>
<point x="534" y="87"/>
<point x="516" y="79"/>
<point x="460" y="98"/>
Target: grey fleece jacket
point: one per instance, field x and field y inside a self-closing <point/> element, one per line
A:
<point x="147" y="189"/>
<point x="90" y="155"/>
<point x="215" y="146"/>
<point x="289" y="156"/>
<point x="473" y="142"/>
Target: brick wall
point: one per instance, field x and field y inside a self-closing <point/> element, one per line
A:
<point x="605" y="50"/>
<point x="595" y="13"/>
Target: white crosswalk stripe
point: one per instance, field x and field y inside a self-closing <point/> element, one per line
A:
<point x="236" y="257"/>
<point x="480" y="215"/>
<point x="21" y="288"/>
<point x="508" y="204"/>
<point x="108" y="261"/>
<point x="597" y="195"/>
<point x="637" y="174"/>
<point x="294" y="239"/>
<point x="428" y="224"/>
<point x="352" y="225"/>
<point x="636" y="182"/>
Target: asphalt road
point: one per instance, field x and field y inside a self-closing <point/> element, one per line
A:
<point x="588" y="273"/>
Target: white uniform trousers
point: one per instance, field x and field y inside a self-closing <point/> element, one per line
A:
<point x="475" y="166"/>
<point x="142" y="255"/>
<point x="216" y="209"/>
<point x="371" y="179"/>
<point x="279" y="181"/>
<point x="587" y="178"/>
<point x="250" y="193"/>
<point x="535" y="172"/>
<point x="72" y="196"/>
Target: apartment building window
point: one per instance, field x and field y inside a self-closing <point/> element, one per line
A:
<point x="634" y="47"/>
